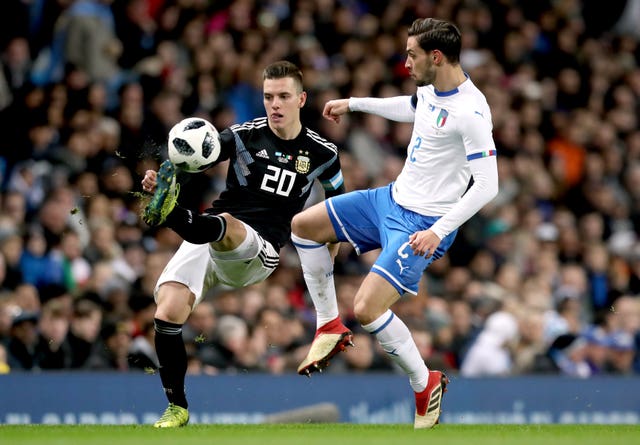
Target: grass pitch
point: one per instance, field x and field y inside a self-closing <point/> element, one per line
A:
<point x="321" y="434"/>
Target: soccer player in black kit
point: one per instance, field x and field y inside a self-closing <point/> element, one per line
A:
<point x="274" y="161"/>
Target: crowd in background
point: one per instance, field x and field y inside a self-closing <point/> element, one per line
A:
<point x="546" y="279"/>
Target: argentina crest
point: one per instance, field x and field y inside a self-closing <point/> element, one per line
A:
<point x="303" y="163"/>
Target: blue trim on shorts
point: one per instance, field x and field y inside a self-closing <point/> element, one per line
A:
<point x="370" y="219"/>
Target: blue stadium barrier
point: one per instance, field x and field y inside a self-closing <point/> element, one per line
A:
<point x="103" y="398"/>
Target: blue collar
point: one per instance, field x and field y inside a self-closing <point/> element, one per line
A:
<point x="450" y="92"/>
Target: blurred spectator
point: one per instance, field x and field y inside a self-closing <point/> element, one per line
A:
<point x="200" y="333"/>
<point x="142" y="353"/>
<point x="232" y="347"/>
<point x="531" y="343"/>
<point x="113" y="353"/>
<point x="22" y="341"/>
<point x="597" y="349"/>
<point x="11" y="251"/>
<point x="566" y="356"/>
<point x="51" y="351"/>
<point x="38" y="266"/>
<point x="490" y="354"/>
<point x="365" y="357"/>
<point x="4" y="365"/>
<point x="84" y="329"/>
<point x="621" y="353"/>
<point x="76" y="267"/>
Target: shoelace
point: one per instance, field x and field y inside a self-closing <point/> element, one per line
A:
<point x="171" y="411"/>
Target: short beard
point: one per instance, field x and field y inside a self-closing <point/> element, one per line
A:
<point x="424" y="82"/>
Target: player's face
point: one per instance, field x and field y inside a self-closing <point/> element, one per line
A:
<point x="419" y="63"/>
<point x="282" y="102"/>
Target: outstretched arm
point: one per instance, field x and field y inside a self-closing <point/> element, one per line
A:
<point x="399" y="108"/>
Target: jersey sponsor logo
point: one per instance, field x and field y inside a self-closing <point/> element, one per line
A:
<point x="263" y="154"/>
<point x="442" y="118"/>
<point x="303" y="163"/>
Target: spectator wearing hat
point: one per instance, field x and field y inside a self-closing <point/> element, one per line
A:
<point x="23" y="338"/>
<point x="596" y="348"/>
<point x="621" y="353"/>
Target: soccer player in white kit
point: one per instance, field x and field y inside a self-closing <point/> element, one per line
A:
<point x="414" y="219"/>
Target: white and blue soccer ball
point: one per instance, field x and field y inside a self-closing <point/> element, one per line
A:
<point x="194" y="144"/>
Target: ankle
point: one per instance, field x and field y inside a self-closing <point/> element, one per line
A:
<point x="330" y="326"/>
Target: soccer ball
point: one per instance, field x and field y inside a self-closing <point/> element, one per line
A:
<point x="194" y="144"/>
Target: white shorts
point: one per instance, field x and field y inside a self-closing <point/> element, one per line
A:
<point x="200" y="268"/>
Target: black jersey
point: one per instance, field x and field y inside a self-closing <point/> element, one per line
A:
<point x="269" y="179"/>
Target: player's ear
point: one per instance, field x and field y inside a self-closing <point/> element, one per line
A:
<point x="302" y="99"/>
<point x="437" y="56"/>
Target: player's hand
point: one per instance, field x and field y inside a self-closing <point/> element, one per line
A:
<point x="149" y="181"/>
<point x="335" y="108"/>
<point x="424" y="243"/>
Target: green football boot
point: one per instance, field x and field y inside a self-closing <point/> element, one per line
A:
<point x="165" y="197"/>
<point x="174" y="416"/>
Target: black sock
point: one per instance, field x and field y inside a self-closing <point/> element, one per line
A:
<point x="196" y="228"/>
<point x="172" y="356"/>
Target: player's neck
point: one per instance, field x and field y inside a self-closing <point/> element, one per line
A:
<point x="287" y="133"/>
<point x="449" y="78"/>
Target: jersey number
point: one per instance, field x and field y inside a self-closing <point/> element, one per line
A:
<point x="414" y="148"/>
<point x="278" y="181"/>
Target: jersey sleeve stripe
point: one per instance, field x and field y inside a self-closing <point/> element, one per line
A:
<point x="322" y="141"/>
<point x="482" y="154"/>
<point x="249" y="125"/>
<point x="333" y="183"/>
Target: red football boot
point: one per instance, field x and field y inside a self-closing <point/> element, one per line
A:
<point x="330" y="339"/>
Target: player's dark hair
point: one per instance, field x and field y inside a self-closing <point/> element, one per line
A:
<point x="437" y="34"/>
<point x="282" y="69"/>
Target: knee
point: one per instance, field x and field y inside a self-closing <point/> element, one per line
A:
<point x="174" y="303"/>
<point x="363" y="312"/>
<point x="310" y="226"/>
<point x="299" y="225"/>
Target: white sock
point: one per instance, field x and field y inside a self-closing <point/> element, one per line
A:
<point x="395" y="338"/>
<point x="317" y="269"/>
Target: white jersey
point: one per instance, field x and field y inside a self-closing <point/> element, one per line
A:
<point x="449" y="129"/>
